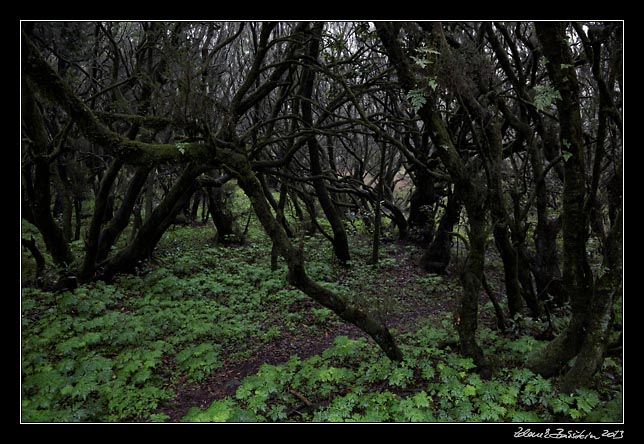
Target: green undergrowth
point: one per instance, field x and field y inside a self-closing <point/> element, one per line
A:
<point x="116" y="352"/>
<point x="119" y="352"/>
<point x="353" y="382"/>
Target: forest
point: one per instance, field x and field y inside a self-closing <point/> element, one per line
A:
<point x="388" y="221"/>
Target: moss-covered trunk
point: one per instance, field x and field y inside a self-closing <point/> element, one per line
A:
<point x="591" y="302"/>
<point x="471" y="280"/>
<point x="37" y="179"/>
<point x="93" y="233"/>
<point x="119" y="221"/>
<point x="153" y="228"/>
<point x="296" y="271"/>
<point x="224" y="222"/>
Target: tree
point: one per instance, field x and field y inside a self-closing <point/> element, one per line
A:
<point x="513" y="128"/>
<point x="591" y="298"/>
<point x="222" y="147"/>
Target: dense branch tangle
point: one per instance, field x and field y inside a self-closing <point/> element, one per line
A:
<point x="219" y="148"/>
<point x="334" y="116"/>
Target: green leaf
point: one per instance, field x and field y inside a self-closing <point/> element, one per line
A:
<point x="421" y="399"/>
<point x="545" y="95"/>
<point x="566" y="155"/>
<point x="469" y="390"/>
<point x="421" y="62"/>
<point x="432" y="84"/>
<point x="417" y="99"/>
<point x="181" y="147"/>
<point x="574" y="413"/>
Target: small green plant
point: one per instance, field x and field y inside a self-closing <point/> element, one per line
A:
<point x="545" y="95"/>
<point x="417" y="99"/>
<point x="350" y="383"/>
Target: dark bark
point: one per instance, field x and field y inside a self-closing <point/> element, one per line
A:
<point x="194" y="208"/>
<point x="78" y="210"/>
<point x="306" y="220"/>
<point x="375" y="253"/>
<point x="30" y="244"/>
<point x="398" y="218"/>
<point x="115" y="227"/>
<point x="340" y="240"/>
<point x="153" y="228"/>
<point x="149" y="194"/>
<point x="100" y="208"/>
<point x="297" y="274"/>
<point x="65" y="199"/>
<point x="472" y="196"/>
<point x="591" y="304"/>
<point x="525" y="276"/>
<point x="471" y="279"/>
<point x="281" y="207"/>
<point x="224" y="222"/>
<point x="39" y="180"/>
<point x="421" y="204"/>
<point x="546" y="261"/>
<point x="437" y="256"/>
<point x="278" y="207"/>
<point x="510" y="269"/>
<point x="500" y="317"/>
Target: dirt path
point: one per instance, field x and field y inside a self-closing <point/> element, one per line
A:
<point x="413" y="306"/>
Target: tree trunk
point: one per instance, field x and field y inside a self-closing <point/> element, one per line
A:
<point x="525" y="279"/>
<point x="194" y="209"/>
<point x="224" y="222"/>
<point x="62" y="190"/>
<point x="546" y="262"/>
<point x="93" y="233"/>
<point x="113" y="229"/>
<point x="278" y="207"/>
<point x="589" y="305"/>
<point x="78" y="209"/>
<point x="340" y="240"/>
<point x="436" y="258"/>
<point x="398" y="218"/>
<point x="149" y="194"/>
<point x="38" y="187"/>
<point x="472" y="195"/>
<point x="153" y="228"/>
<point x="30" y="244"/>
<point x="421" y="202"/>
<point x="297" y="274"/>
<point x="471" y="280"/>
<point x="510" y="269"/>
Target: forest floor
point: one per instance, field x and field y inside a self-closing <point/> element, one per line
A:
<point x="206" y="332"/>
<point x="405" y="317"/>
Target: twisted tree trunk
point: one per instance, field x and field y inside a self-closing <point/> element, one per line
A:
<point x="297" y="276"/>
<point x="586" y="336"/>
